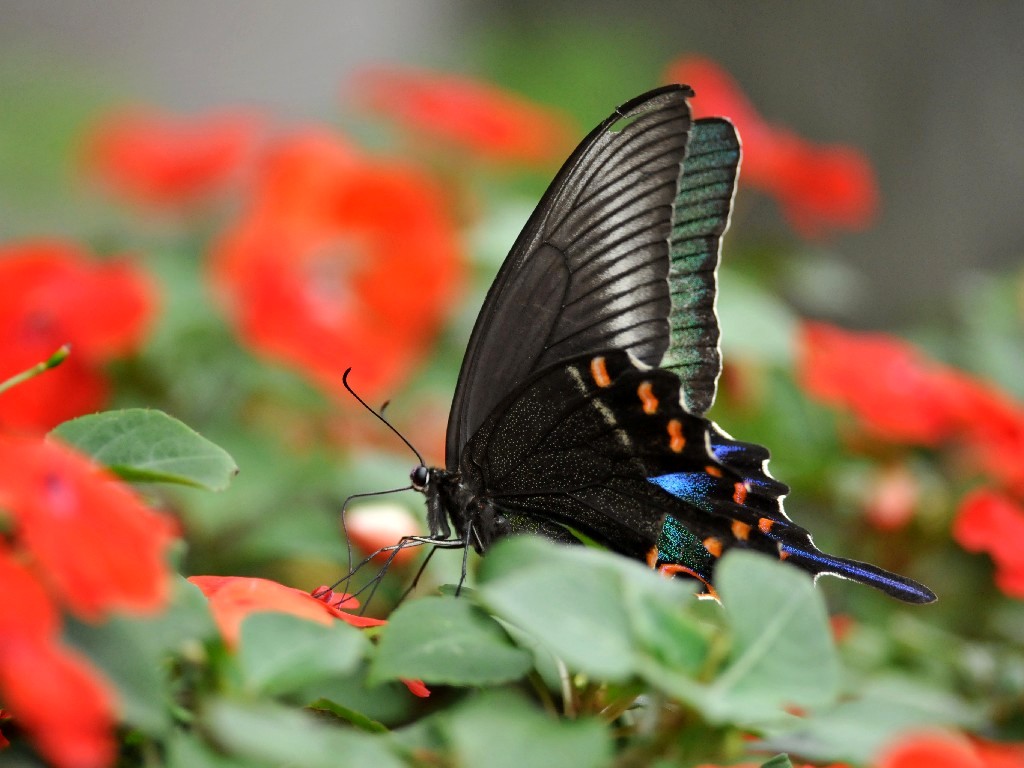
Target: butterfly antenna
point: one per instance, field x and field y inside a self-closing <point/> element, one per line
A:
<point x="344" y="381"/>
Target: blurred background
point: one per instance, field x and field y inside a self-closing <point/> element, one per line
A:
<point x="930" y="93"/>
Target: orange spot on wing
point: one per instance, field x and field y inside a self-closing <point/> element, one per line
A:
<point x="739" y="494"/>
<point x="652" y="557"/>
<point x="783" y="554"/>
<point x="675" y="433"/>
<point x="712" y="470"/>
<point x="740" y="530"/>
<point x="713" y="546"/>
<point x="671" y="569"/>
<point x="765" y="524"/>
<point x="599" y="371"/>
<point x="646" y="393"/>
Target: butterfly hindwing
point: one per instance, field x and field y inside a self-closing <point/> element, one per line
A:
<point x="576" y="445"/>
<point x="701" y="216"/>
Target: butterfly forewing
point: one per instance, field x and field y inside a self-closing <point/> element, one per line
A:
<point x="589" y="270"/>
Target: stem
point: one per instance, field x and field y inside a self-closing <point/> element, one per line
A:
<point x="52" y="361"/>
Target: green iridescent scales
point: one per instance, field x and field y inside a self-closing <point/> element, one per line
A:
<point x="700" y="219"/>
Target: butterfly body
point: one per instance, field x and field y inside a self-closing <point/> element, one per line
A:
<point x="579" y="409"/>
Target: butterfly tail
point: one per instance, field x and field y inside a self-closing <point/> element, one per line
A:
<point x="817" y="562"/>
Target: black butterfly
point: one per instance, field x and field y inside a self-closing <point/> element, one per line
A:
<point x="580" y="403"/>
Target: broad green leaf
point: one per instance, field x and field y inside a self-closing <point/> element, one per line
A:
<point x="142" y="445"/>
<point x="386" y="703"/>
<point x="186" y="750"/>
<point x="276" y="735"/>
<point x="357" y="719"/>
<point x="568" y="598"/>
<point x="279" y="653"/>
<point x="446" y="640"/>
<point x="499" y="730"/>
<point x="858" y="727"/>
<point x="782" y="650"/>
<point x="132" y="652"/>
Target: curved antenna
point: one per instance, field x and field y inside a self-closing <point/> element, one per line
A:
<point x="344" y="381"/>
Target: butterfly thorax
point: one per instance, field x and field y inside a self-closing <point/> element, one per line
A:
<point x="455" y="499"/>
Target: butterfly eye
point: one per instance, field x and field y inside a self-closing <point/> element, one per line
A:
<point x="419" y="476"/>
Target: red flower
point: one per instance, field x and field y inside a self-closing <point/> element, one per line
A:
<point x="891" y="497"/>
<point x="89" y="537"/>
<point x="58" y="699"/>
<point x="342" y="262"/>
<point x="895" y="392"/>
<point x="993" y="436"/>
<point x="52" y="295"/>
<point x="62" y="703"/>
<point x="160" y="159"/>
<point x="938" y="750"/>
<point x="989" y="521"/>
<point x="372" y="526"/>
<point x="818" y="187"/>
<point x="233" y="598"/>
<point x="468" y="114"/>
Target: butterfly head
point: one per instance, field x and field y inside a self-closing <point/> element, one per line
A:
<point x="420" y="477"/>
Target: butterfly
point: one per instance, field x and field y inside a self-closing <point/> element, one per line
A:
<point x="580" y="406"/>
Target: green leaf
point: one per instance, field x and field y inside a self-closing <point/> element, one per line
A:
<point x="857" y="728"/>
<point x="357" y="719"/>
<point x="280" y="653"/>
<point x="499" y="730"/>
<point x="779" y="761"/>
<point x="142" y="445"/>
<point x="446" y="640"/>
<point x="132" y="652"/>
<point x="570" y="599"/>
<point x="782" y="650"/>
<point x="276" y="735"/>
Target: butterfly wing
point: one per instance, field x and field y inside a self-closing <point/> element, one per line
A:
<point x="603" y="445"/>
<point x="575" y="444"/>
<point x="699" y="220"/>
<point x="589" y="270"/>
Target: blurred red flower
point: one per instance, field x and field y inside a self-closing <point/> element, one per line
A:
<point x="891" y="497"/>
<point x="938" y="750"/>
<point x="51" y="293"/>
<point x="373" y="526"/>
<point x="61" y="703"/>
<point x="892" y="389"/>
<point x="989" y="521"/>
<point x="342" y="261"/>
<point x="94" y="543"/>
<point x="819" y="187"/>
<point x="481" y="118"/>
<point x="233" y="598"/>
<point x="166" y="160"/>
<point x="993" y="436"/>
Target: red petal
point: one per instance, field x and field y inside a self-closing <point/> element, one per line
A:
<point x="62" y="703"/>
<point x="92" y="540"/>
